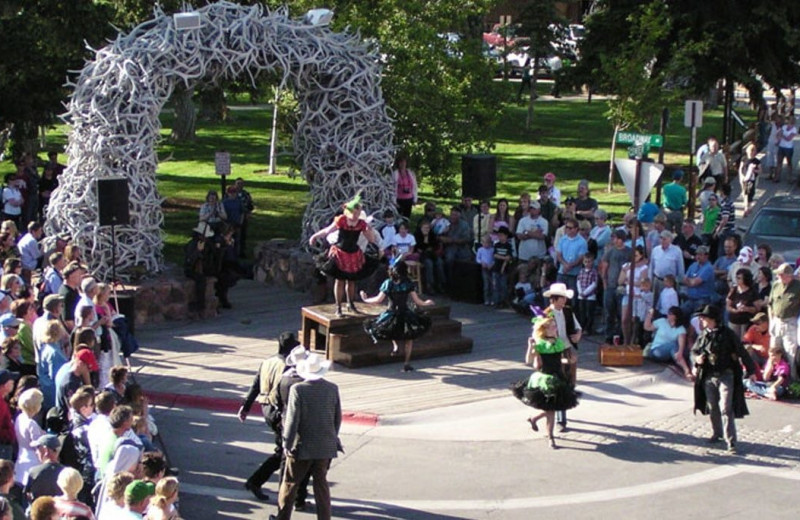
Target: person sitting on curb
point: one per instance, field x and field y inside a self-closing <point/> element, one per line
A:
<point x="775" y="378"/>
<point x="669" y="341"/>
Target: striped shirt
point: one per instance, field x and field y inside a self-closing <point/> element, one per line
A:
<point x="727" y="210"/>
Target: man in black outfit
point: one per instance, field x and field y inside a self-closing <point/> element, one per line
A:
<point x="718" y="389"/>
<point x="265" y="390"/>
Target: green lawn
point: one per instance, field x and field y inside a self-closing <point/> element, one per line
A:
<point x="569" y="137"/>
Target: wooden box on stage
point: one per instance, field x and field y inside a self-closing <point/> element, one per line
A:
<point x="620" y="355"/>
<point x="343" y="339"/>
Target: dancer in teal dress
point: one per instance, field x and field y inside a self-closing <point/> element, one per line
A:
<point x="548" y="388"/>
<point x="399" y="322"/>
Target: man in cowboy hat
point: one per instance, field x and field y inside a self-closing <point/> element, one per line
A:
<point x="264" y="390"/>
<point x="783" y="306"/>
<point x="569" y="330"/>
<point x="718" y="390"/>
<point x="288" y="380"/>
<point x="311" y="435"/>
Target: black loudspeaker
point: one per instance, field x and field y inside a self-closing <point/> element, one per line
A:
<point x="466" y="283"/>
<point x="479" y="176"/>
<point x="112" y="201"/>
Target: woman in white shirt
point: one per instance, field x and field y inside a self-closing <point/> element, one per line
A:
<point x="786" y="137"/>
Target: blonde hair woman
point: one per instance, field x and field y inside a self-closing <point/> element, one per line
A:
<point x="548" y="389"/>
<point x="162" y="505"/>
<point x="68" y="505"/>
<point x="27" y="429"/>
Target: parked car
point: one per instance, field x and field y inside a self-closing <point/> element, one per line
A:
<point x="504" y="36"/>
<point x="777" y="223"/>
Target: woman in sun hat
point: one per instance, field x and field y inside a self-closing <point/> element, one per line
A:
<point x="345" y="261"/>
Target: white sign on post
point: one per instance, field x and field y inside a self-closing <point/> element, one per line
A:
<point x="650" y="174"/>
<point x="693" y="113"/>
<point x="222" y="163"/>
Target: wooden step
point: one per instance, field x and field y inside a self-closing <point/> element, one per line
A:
<point x="380" y="353"/>
<point x="358" y="339"/>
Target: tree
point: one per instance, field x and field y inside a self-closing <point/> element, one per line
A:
<point x="537" y="21"/>
<point x="634" y="70"/>
<point x="41" y="42"/>
<point x="435" y="78"/>
<point x="751" y="42"/>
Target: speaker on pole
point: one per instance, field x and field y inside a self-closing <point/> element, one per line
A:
<point x="112" y="201"/>
<point x="479" y="176"/>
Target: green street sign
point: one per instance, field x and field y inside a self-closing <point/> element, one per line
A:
<point x="654" y="140"/>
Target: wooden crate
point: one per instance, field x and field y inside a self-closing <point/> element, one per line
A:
<point x="620" y="355"/>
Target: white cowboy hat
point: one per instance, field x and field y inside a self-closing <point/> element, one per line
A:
<point x="202" y="228"/>
<point x="559" y="289"/>
<point x="313" y="367"/>
<point x="298" y="354"/>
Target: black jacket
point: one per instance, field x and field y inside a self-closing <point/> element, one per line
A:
<point x="723" y="351"/>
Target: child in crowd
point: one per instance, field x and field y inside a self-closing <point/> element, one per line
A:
<point x="775" y="378"/>
<point x="503" y="255"/>
<point x="523" y="291"/>
<point x="388" y="230"/>
<point x="403" y="243"/>
<point x="485" y="257"/>
<point x="440" y="224"/>
<point x="668" y="297"/>
<point x="587" y="293"/>
<point x="642" y="302"/>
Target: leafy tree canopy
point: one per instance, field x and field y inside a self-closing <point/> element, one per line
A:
<point x="40" y="42"/>
<point x="745" y="40"/>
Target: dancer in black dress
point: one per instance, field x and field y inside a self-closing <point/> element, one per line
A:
<point x="548" y="388"/>
<point x="398" y="322"/>
<point x="345" y="261"/>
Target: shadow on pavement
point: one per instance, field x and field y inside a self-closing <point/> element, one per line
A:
<point x="358" y="509"/>
<point x="643" y="444"/>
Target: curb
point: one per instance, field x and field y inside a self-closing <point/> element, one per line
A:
<point x="225" y="405"/>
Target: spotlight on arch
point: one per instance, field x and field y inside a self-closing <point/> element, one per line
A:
<point x="186" y="21"/>
<point x="318" y="17"/>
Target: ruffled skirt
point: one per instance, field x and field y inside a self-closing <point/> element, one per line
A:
<point x="341" y="265"/>
<point x="398" y="325"/>
<point x="545" y="392"/>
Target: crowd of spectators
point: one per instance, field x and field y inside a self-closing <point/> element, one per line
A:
<point x="76" y="437"/>
<point x="681" y="263"/>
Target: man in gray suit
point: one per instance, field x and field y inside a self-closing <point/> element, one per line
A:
<point x="310" y="436"/>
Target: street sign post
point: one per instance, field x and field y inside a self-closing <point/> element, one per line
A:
<point x="692" y="118"/>
<point x="640" y="143"/>
<point x="222" y="167"/>
<point x="638" y="183"/>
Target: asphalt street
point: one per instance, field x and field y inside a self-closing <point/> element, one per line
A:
<point x="633" y="450"/>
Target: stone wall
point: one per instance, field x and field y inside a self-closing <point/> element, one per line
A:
<point x="281" y="262"/>
<point x="167" y="298"/>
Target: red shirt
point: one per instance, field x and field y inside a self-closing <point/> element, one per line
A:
<point x="761" y="339"/>
<point x="7" y="435"/>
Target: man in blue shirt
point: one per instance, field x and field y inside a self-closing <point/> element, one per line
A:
<point x="569" y="253"/>
<point x="699" y="283"/>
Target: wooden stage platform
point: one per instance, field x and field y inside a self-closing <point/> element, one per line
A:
<point x="344" y="341"/>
